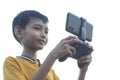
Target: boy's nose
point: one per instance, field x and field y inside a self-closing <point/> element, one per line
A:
<point x="43" y="35"/>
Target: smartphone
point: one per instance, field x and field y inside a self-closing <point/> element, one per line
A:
<point x="79" y="27"/>
<point x="73" y="24"/>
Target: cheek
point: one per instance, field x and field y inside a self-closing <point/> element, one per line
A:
<point x="29" y="37"/>
<point x="46" y="39"/>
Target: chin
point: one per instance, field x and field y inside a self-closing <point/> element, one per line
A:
<point x="40" y="48"/>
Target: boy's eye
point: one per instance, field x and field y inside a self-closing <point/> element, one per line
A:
<point x="46" y="32"/>
<point x="36" y="27"/>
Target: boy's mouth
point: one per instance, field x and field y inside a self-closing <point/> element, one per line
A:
<point x="42" y="42"/>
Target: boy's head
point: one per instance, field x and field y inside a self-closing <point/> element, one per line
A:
<point x="23" y="18"/>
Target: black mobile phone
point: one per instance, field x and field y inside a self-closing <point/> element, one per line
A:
<point x="79" y="26"/>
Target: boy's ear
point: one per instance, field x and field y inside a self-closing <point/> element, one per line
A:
<point x="18" y="32"/>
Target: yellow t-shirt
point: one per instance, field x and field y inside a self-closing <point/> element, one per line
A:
<point x="21" y="69"/>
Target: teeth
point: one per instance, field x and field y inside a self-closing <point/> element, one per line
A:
<point x="41" y="42"/>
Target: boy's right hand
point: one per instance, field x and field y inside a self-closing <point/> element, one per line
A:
<point x="64" y="47"/>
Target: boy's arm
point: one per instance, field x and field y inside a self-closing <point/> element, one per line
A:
<point x="86" y="60"/>
<point x="44" y="68"/>
<point x="82" y="74"/>
<point x="61" y="49"/>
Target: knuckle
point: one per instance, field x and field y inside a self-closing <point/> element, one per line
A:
<point x="63" y="41"/>
<point x="66" y="45"/>
<point x="88" y="56"/>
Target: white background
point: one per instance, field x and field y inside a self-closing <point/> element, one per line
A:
<point x="103" y="14"/>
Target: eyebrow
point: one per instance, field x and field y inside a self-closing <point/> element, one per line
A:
<point x="41" y="26"/>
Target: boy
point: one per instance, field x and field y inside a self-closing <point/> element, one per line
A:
<point x="30" y="29"/>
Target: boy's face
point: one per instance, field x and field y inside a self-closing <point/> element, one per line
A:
<point x="34" y="36"/>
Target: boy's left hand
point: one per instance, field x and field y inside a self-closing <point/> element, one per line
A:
<point x="85" y="60"/>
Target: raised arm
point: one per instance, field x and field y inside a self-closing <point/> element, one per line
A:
<point x="61" y="49"/>
<point x="85" y="61"/>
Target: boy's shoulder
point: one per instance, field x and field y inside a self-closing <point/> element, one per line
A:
<point x="10" y="61"/>
<point x="10" y="58"/>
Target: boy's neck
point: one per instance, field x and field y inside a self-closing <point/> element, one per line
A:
<point x="30" y="54"/>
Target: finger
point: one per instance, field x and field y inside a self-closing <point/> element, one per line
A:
<point x="73" y="41"/>
<point x="91" y="47"/>
<point x="71" y="50"/>
<point x="85" y="57"/>
<point x="88" y="61"/>
<point x="84" y="61"/>
<point x="70" y="37"/>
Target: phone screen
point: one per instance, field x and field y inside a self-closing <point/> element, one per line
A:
<point x="73" y="24"/>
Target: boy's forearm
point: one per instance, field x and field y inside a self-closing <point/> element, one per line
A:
<point x="82" y="74"/>
<point x="44" y="68"/>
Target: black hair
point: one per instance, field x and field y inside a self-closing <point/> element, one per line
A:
<point x="23" y="18"/>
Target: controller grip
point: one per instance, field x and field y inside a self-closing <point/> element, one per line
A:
<point x="63" y="58"/>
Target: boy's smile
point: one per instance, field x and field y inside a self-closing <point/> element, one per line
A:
<point x="42" y="42"/>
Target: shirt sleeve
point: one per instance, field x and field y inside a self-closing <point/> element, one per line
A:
<point x="11" y="70"/>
